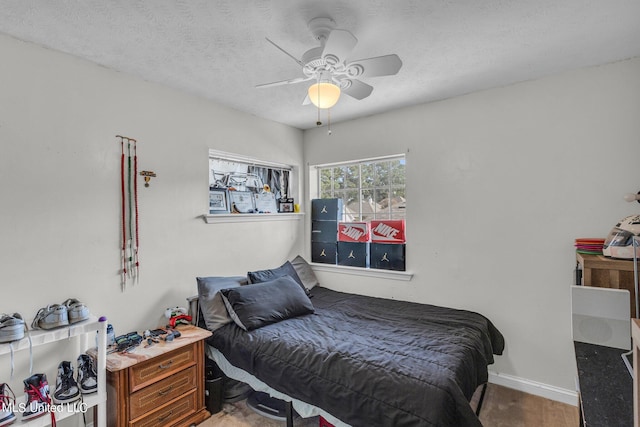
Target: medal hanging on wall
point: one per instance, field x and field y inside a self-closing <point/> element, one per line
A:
<point x="130" y="236"/>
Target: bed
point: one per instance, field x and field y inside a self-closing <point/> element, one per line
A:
<point x="358" y="360"/>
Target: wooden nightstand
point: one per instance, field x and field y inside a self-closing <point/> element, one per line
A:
<point x="162" y="384"/>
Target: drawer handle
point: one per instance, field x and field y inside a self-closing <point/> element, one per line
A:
<point x="161" y="419"/>
<point x="168" y="365"/>
<point x="164" y="392"/>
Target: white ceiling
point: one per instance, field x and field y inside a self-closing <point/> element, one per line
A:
<point x="217" y="48"/>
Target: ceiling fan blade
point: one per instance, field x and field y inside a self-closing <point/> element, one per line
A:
<point x="356" y="89"/>
<point x="285" y="82"/>
<point x="386" y="65"/>
<point x="338" y="46"/>
<point x="300" y="63"/>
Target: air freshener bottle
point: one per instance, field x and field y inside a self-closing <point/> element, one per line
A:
<point x="111" y="336"/>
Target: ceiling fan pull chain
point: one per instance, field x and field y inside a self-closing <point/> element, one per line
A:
<point x="318" y="122"/>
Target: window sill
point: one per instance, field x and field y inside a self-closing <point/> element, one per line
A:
<point x="225" y="218"/>
<point x="359" y="271"/>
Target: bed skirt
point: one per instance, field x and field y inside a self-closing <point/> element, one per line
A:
<point x="304" y="409"/>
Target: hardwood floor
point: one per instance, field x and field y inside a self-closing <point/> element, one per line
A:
<point x="505" y="407"/>
<point x="502" y="407"/>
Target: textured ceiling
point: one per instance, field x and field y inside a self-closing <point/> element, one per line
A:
<point x="217" y="49"/>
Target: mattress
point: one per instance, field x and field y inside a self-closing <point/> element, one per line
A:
<point x="371" y="361"/>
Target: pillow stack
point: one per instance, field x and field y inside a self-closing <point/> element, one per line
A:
<point x="262" y="298"/>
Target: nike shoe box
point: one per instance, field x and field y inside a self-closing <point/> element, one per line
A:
<point x="326" y="210"/>
<point x="324" y="423"/>
<point x="353" y="232"/>
<point x="323" y="252"/>
<point x="388" y="256"/>
<point x="353" y="254"/>
<point x="324" y="231"/>
<point x="388" y="231"/>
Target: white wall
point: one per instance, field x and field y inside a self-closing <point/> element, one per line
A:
<point x="499" y="184"/>
<point x="60" y="194"/>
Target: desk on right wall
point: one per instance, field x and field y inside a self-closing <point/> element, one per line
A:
<point x="603" y="272"/>
<point x="635" y="335"/>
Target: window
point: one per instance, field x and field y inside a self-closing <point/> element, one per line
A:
<point x="370" y="189"/>
<point x="257" y="189"/>
<point x="373" y="192"/>
<point x="246" y="174"/>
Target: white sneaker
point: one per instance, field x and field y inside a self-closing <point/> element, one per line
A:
<point x="11" y="328"/>
<point x="51" y="317"/>
<point x="76" y="311"/>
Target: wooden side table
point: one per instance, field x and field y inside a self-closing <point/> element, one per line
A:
<point x="603" y="272"/>
<point x="162" y="384"/>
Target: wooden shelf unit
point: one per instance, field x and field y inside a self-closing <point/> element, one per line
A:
<point x="603" y="272"/>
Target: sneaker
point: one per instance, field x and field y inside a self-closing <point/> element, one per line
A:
<point x="51" y="317"/>
<point x="77" y="311"/>
<point x="7" y="403"/>
<point x="66" y="387"/>
<point x="36" y="389"/>
<point x="11" y="328"/>
<point x="87" y="376"/>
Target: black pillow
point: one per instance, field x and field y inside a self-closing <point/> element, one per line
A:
<point x="285" y="269"/>
<point x="254" y="306"/>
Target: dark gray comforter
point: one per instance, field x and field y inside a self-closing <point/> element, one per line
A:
<point x="371" y="361"/>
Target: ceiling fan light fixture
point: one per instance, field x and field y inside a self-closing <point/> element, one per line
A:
<point x="324" y="94"/>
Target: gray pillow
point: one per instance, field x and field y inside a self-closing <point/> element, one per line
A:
<point x="285" y="269"/>
<point x="305" y="273"/>
<point x="254" y="306"/>
<point x="211" y="305"/>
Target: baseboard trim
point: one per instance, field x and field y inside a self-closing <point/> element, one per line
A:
<point x="547" y="391"/>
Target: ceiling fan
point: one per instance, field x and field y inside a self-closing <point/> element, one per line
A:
<point x="328" y="65"/>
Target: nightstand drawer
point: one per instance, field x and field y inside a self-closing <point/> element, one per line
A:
<point x="168" y="414"/>
<point x="154" y="396"/>
<point x="150" y="371"/>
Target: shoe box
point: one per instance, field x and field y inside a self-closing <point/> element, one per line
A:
<point x="325" y="214"/>
<point x="324" y="253"/>
<point x="388" y="256"/>
<point x="353" y="254"/>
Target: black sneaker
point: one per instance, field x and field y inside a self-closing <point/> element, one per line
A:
<point x="66" y="387"/>
<point x="87" y="376"/>
<point x="36" y="389"/>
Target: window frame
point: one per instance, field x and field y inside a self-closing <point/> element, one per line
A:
<point x="359" y="163"/>
<point x="314" y="188"/>
<point x="293" y="188"/>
